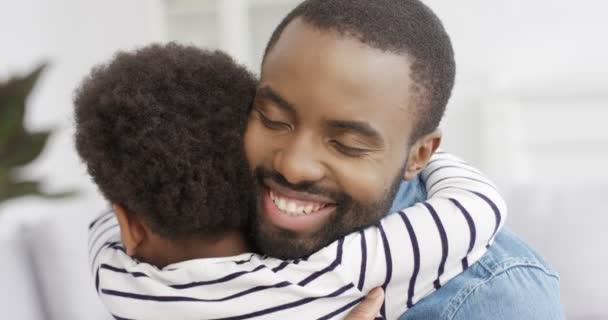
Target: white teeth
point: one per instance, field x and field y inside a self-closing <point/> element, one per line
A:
<point x="291" y="208"/>
<point x="282" y="204"/>
<point x="308" y="209"/>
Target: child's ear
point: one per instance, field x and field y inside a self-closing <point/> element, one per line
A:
<point x="421" y="152"/>
<point x="132" y="231"/>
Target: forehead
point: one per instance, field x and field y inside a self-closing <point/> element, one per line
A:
<point x="325" y="74"/>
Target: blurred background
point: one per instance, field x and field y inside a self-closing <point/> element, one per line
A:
<point x="528" y="108"/>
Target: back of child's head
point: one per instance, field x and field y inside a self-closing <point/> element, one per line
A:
<point x="160" y="130"/>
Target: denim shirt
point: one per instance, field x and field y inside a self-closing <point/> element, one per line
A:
<point x="511" y="281"/>
<point x="410" y="192"/>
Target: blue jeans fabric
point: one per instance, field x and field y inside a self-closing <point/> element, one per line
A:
<point x="511" y="281"/>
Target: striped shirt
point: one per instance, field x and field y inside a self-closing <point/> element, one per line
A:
<point x="410" y="254"/>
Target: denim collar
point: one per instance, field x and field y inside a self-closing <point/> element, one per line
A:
<point x="410" y="192"/>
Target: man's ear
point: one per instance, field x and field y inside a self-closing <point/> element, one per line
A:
<point x="421" y="152"/>
<point x="132" y="231"/>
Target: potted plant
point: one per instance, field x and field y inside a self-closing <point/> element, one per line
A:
<point x="18" y="145"/>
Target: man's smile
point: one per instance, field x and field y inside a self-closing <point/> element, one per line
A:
<point x="294" y="207"/>
<point x="295" y="211"/>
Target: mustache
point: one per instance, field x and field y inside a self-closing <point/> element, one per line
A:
<point x="260" y="174"/>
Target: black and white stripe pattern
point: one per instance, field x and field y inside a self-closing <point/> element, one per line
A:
<point x="410" y="254"/>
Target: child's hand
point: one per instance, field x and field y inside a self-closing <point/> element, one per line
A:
<point x="369" y="308"/>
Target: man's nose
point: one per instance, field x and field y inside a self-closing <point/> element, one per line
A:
<point x="299" y="162"/>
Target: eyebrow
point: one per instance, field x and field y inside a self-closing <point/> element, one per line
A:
<point x="360" y="127"/>
<point x="267" y="92"/>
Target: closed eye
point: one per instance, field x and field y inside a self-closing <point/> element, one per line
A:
<point x="349" y="151"/>
<point x="271" y="124"/>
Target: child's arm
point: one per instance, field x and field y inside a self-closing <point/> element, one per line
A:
<point x="413" y="252"/>
<point x="407" y="253"/>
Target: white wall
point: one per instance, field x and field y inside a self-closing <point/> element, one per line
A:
<point x="72" y="36"/>
<point x="532" y="73"/>
<point x="43" y="273"/>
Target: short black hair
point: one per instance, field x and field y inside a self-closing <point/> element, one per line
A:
<point x="160" y="130"/>
<point x="399" y="26"/>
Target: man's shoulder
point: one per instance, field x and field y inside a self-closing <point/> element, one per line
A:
<point x="510" y="281"/>
<point x="509" y="251"/>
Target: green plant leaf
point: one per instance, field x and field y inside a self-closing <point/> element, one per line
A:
<point x="13" y="98"/>
<point x="30" y="188"/>
<point x="4" y="180"/>
<point x="18" y="147"/>
<point x="18" y="189"/>
<point x="21" y="86"/>
<point x="11" y="120"/>
<point x="24" y="150"/>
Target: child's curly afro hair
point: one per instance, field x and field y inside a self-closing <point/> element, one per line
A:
<point x="161" y="132"/>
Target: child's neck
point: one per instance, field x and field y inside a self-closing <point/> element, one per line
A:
<point x="225" y="244"/>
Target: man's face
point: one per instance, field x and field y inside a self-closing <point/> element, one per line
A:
<point x="327" y="138"/>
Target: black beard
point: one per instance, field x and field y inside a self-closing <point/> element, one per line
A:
<point x="349" y="216"/>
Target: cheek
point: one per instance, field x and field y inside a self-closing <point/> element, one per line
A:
<point x="365" y="183"/>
